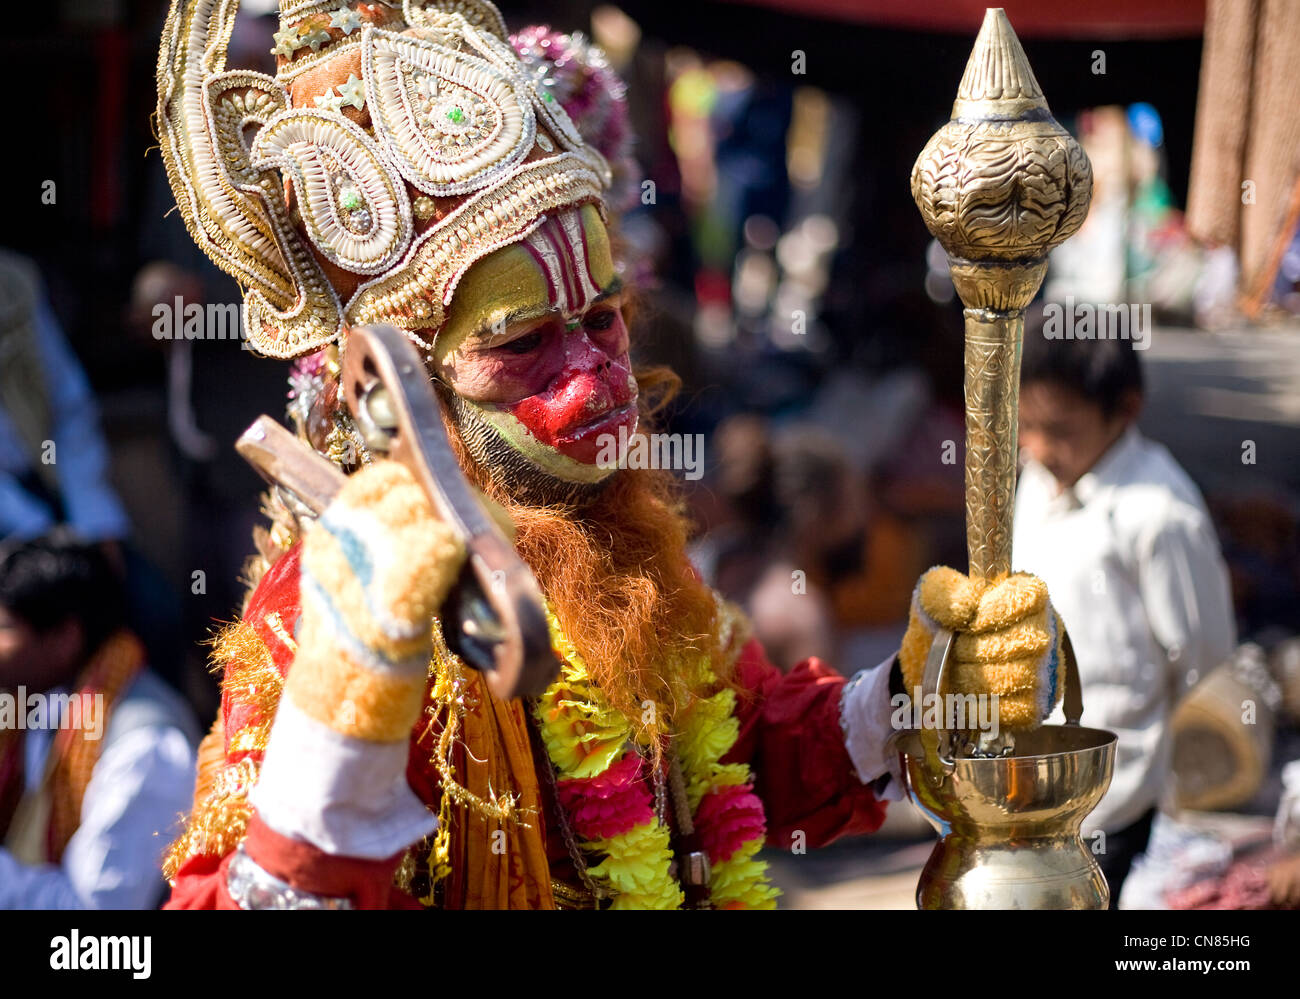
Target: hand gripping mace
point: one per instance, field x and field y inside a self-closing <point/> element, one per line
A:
<point x="998" y="186"/>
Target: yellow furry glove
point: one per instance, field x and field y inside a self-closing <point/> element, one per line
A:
<point x="1008" y="642"/>
<point x="375" y="570"/>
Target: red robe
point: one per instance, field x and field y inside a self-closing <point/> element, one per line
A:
<point x="790" y="736"/>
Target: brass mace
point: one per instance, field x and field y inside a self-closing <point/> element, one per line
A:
<point x="998" y="186"/>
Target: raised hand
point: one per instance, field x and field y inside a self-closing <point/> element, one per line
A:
<point x="375" y="570"/>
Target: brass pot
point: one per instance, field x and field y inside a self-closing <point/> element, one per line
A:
<point x="1009" y="827"/>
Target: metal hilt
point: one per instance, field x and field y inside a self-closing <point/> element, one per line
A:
<point x="496" y="608"/>
<point x="937" y="742"/>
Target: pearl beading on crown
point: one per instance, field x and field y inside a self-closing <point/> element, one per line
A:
<point x="453" y="114"/>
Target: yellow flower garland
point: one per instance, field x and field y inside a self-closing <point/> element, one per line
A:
<point x="584" y="737"/>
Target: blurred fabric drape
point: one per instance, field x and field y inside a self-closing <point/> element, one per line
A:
<point x="1245" y="185"/>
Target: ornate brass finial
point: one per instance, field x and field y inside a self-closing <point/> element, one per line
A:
<point x="998" y="186"/>
<point x="998" y="71"/>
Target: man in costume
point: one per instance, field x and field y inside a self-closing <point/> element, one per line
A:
<point x="408" y="166"/>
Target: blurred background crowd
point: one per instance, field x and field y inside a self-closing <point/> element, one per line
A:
<point x="783" y="271"/>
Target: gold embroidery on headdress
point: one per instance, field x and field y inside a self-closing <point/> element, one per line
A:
<point x="276" y="175"/>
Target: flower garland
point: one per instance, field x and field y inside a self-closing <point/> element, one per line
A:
<point x="602" y="785"/>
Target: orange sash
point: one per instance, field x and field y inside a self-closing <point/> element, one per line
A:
<point x="495" y="866"/>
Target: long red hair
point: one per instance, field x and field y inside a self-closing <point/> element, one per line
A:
<point x="618" y="578"/>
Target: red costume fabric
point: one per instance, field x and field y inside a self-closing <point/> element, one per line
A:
<point x="790" y="736"/>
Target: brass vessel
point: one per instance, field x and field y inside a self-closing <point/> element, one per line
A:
<point x="998" y="186"/>
<point x="1009" y="827"/>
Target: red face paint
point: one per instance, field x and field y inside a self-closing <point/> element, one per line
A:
<point x="593" y="395"/>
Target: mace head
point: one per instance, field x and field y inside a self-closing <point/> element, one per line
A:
<point x="1002" y="182"/>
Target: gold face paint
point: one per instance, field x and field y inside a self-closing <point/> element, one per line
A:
<point x="550" y="460"/>
<point x="509" y="288"/>
<point x="499" y="291"/>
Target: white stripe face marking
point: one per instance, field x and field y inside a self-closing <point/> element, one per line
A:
<point x="571" y="225"/>
<point x="560" y="249"/>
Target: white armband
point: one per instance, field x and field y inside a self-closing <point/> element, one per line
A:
<point x="865" y="711"/>
<point x="346" y="796"/>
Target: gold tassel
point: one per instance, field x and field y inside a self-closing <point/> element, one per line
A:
<point x="219" y="824"/>
<point x="250" y="674"/>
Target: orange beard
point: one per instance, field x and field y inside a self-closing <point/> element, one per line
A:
<point x="616" y="573"/>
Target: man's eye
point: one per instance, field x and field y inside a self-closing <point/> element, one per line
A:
<point x="602" y="320"/>
<point x="523" y="345"/>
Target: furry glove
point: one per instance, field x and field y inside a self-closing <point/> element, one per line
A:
<point x="1008" y="642"/>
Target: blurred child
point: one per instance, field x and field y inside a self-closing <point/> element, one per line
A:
<point x="1121" y="536"/>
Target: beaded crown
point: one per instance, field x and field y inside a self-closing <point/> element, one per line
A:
<point x="397" y="144"/>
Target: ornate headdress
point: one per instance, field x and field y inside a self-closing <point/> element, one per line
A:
<point x="397" y="144"/>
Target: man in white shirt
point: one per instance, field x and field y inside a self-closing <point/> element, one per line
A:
<point x="96" y="753"/>
<point x="1121" y="535"/>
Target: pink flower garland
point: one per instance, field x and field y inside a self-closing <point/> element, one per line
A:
<point x="610" y="803"/>
<point x="611" y="807"/>
<point x="728" y="818"/>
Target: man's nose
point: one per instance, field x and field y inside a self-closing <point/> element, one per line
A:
<point x="582" y="353"/>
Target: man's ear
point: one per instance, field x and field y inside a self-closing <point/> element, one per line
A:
<point x="67" y="642"/>
<point x="1130" y="406"/>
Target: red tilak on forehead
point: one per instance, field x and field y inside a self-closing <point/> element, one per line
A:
<point x="559" y="246"/>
